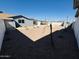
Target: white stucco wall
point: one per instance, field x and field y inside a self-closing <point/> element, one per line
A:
<point x="2" y="31"/>
<point x="38" y="23"/>
<point x="57" y="23"/>
<point x="76" y="30"/>
<point x="12" y="23"/>
<point x="27" y="22"/>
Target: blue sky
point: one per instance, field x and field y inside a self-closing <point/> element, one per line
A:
<point x="40" y="9"/>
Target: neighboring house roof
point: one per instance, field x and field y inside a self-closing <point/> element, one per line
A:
<point x="20" y="16"/>
<point x="5" y="16"/>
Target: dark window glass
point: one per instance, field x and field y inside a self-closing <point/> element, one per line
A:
<point x="22" y="21"/>
<point x="19" y="21"/>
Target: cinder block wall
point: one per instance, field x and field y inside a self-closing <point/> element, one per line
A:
<point x="2" y="31"/>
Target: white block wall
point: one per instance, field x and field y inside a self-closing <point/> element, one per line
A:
<point x="2" y="31"/>
<point x="76" y="30"/>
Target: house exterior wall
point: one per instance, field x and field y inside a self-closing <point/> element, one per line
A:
<point x="26" y="22"/>
<point x="76" y="30"/>
<point x="76" y="3"/>
<point x="12" y="23"/>
<point x="2" y="31"/>
<point x="38" y="23"/>
<point x="75" y="25"/>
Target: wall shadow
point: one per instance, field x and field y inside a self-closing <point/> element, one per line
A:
<point x="18" y="45"/>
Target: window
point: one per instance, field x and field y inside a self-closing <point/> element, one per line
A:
<point x="21" y="21"/>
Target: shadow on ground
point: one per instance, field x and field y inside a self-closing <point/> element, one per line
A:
<point x="63" y="45"/>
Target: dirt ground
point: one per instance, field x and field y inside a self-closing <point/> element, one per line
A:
<point x="35" y="33"/>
